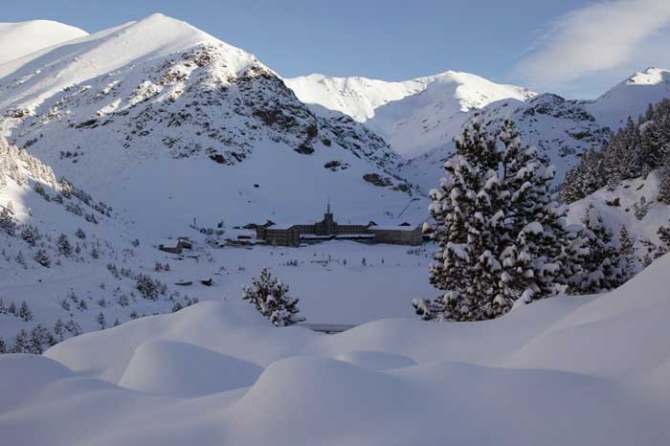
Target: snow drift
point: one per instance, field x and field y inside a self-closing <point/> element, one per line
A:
<point x="566" y="370"/>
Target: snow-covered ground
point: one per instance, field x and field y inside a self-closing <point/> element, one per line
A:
<point x="567" y="370"/>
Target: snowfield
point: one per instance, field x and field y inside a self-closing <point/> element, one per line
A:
<point x="567" y="370"/>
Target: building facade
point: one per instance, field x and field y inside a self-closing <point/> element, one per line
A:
<point x="328" y="229"/>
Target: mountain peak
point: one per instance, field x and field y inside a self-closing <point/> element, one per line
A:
<point x="20" y="39"/>
<point x="162" y="24"/>
<point x="632" y="96"/>
<point x="649" y="76"/>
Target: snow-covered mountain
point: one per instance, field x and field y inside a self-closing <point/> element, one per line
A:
<point x="631" y="97"/>
<point x="20" y="39"/>
<point x="197" y="127"/>
<point x="561" y="129"/>
<point x="414" y="116"/>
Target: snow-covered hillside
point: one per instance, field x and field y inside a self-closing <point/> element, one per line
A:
<point x="633" y="204"/>
<point x="414" y="116"/>
<point x="571" y="370"/>
<point x="20" y="39"/>
<point x="196" y="127"/>
<point x="561" y="129"/>
<point x="59" y="249"/>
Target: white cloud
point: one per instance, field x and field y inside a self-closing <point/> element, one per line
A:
<point x="599" y="38"/>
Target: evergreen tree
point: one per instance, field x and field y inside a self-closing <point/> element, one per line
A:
<point x="24" y="312"/>
<point x="42" y="258"/>
<point x="664" y="186"/>
<point x="464" y="268"/>
<point x="535" y="261"/>
<point x="73" y="328"/>
<point x="21" y="342"/>
<point x="59" y="330"/>
<point x="101" y="320"/>
<point x="64" y="247"/>
<point x="30" y="234"/>
<point x="20" y="259"/>
<point x="40" y="339"/>
<point x="499" y="232"/>
<point x="664" y="245"/>
<point x="601" y="270"/>
<point x="7" y="223"/>
<point x="271" y="299"/>
<point x="627" y="260"/>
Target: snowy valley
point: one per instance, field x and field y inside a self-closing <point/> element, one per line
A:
<point x="139" y="166"/>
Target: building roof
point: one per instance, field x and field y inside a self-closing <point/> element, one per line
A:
<point x="393" y="228"/>
<point x="281" y="227"/>
<point x="350" y="236"/>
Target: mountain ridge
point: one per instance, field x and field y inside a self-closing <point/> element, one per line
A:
<point x="409" y="114"/>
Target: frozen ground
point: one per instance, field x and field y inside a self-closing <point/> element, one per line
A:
<point x="577" y="371"/>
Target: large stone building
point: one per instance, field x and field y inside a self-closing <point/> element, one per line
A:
<point x="328" y="229"/>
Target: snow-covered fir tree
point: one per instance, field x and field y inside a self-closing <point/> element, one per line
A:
<point x="64" y="246"/>
<point x="663" y="246"/>
<point x="628" y="264"/>
<point x="24" y="312"/>
<point x="602" y="264"/>
<point x="664" y="186"/>
<point x="42" y="258"/>
<point x="8" y="224"/>
<point x="461" y="210"/>
<point x="534" y="258"/>
<point x="270" y="297"/>
<point x="499" y="232"/>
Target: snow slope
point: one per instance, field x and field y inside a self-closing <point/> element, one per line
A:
<point x="415" y="116"/>
<point x="559" y="371"/>
<point x="65" y="290"/>
<point x="20" y="39"/>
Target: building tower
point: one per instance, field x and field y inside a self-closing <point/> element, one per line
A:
<point x="329" y="221"/>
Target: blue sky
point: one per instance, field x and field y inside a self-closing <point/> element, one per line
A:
<point x="536" y="43"/>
